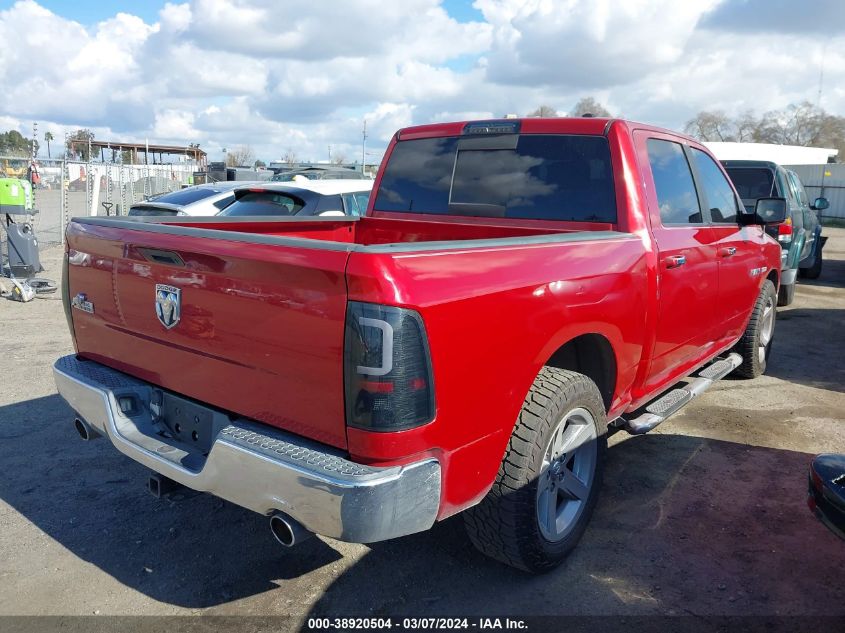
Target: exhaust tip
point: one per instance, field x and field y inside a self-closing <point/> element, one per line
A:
<point x="287" y="531"/>
<point x="84" y="429"/>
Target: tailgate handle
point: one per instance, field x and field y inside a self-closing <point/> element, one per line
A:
<point x="161" y="257"/>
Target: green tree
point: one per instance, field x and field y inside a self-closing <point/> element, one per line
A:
<point x="260" y="163"/>
<point x="13" y="143"/>
<point x="77" y="144"/>
<point x="48" y="137"/>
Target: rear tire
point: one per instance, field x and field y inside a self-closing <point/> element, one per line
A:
<point x="756" y="343"/>
<point x="549" y="479"/>
<point x="786" y="295"/>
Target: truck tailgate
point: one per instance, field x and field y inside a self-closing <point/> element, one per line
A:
<point x="259" y="331"/>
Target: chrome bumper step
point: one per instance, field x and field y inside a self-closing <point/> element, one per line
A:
<point x="673" y="401"/>
<point x="253" y="465"/>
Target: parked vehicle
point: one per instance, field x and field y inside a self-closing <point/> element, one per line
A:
<point x="198" y="200"/>
<point x="827" y="491"/>
<point x="318" y="173"/>
<point x="800" y="234"/>
<point x="318" y="197"/>
<point x="517" y="290"/>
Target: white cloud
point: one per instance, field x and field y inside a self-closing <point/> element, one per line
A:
<point x="303" y="75"/>
<point x="307" y="30"/>
<point x="174" y="124"/>
<point x="575" y="44"/>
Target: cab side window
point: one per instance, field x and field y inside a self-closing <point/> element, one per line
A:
<point x="350" y="204"/>
<point x="717" y="190"/>
<point x="800" y="193"/>
<point x="673" y="183"/>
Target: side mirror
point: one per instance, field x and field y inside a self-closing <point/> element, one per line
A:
<point x="770" y="210"/>
<point x="827" y="491"/>
<point x="820" y="204"/>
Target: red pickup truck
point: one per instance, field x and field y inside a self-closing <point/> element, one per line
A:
<point x="517" y="290"/>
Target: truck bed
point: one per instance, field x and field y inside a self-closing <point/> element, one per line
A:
<point x="353" y="233"/>
<point x="263" y="303"/>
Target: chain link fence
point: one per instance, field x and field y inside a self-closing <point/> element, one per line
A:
<point x="72" y="188"/>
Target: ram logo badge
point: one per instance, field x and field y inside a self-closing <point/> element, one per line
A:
<point x="168" y="305"/>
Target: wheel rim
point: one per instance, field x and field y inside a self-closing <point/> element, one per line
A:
<point x="767" y="328"/>
<point x="566" y="478"/>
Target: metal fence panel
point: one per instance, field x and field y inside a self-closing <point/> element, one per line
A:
<point x="72" y="188"/>
<point x="825" y="181"/>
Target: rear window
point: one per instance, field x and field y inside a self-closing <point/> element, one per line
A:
<point x="187" y="196"/>
<point x="145" y="210"/>
<point x="541" y="177"/>
<point x="263" y="203"/>
<point x="751" y="182"/>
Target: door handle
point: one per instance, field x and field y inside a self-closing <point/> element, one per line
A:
<point x="728" y="251"/>
<point x="675" y="261"/>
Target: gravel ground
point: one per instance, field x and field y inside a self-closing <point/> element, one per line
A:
<point x="706" y="515"/>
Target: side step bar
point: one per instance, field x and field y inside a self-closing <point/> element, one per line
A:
<point x="673" y="401"/>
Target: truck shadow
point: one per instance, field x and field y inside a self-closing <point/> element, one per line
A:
<point x="808" y="346"/>
<point x="833" y="275"/>
<point x="684" y="523"/>
<point x="192" y="550"/>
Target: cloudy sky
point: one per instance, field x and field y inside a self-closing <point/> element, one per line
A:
<point x="302" y="75"/>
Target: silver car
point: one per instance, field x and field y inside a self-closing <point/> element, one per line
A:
<point x="209" y="199"/>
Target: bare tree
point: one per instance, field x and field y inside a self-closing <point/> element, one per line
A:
<point x="544" y="111"/>
<point x="242" y="156"/>
<point x="797" y="124"/>
<point x="746" y="128"/>
<point x="713" y="125"/>
<point x="588" y="105"/>
<point x="290" y="157"/>
<point x="338" y="158"/>
<point x="832" y="133"/>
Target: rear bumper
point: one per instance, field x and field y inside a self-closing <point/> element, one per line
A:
<point x="788" y="276"/>
<point x="826" y="498"/>
<point x="258" y="467"/>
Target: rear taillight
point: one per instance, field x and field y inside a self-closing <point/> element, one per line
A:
<point x="387" y="368"/>
<point x="785" y="230"/>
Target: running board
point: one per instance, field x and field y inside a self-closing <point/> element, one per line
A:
<point x="673" y="401"/>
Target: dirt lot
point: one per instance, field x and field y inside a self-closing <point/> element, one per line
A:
<point x="704" y="516"/>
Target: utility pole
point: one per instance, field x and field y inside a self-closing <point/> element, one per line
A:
<point x="364" y="147"/>
<point x="330" y="153"/>
<point x="821" y="77"/>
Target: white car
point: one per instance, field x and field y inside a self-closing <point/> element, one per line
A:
<point x="207" y="199"/>
<point x="301" y="198"/>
